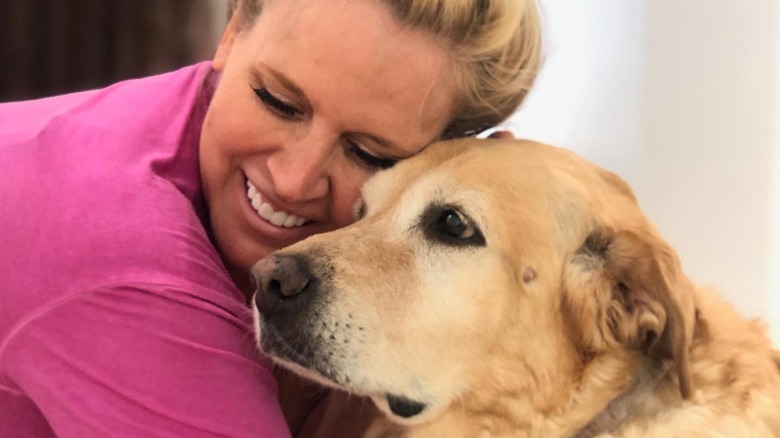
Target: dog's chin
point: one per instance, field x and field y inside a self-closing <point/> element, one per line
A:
<point x="307" y="360"/>
<point x="309" y="374"/>
<point x="400" y="409"/>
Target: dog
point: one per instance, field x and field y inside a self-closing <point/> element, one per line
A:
<point x="510" y="288"/>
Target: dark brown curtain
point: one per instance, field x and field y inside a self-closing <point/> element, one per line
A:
<point x="51" y="47"/>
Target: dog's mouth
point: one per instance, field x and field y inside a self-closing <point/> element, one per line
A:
<point x="310" y="361"/>
<point x="404" y="407"/>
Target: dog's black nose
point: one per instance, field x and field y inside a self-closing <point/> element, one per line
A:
<point x="281" y="278"/>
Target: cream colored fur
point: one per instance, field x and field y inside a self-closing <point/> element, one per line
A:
<point x="532" y="334"/>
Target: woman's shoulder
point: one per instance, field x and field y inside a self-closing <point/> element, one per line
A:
<point x="72" y="235"/>
<point x="147" y="103"/>
<point x="112" y="227"/>
<point x="148" y="125"/>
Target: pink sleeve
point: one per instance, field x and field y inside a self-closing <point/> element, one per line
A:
<point x="145" y="360"/>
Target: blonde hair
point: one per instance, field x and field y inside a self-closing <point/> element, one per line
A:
<point x="495" y="46"/>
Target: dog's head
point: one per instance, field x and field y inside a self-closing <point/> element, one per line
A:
<point x="472" y="259"/>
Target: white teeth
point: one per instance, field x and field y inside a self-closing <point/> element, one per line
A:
<point x="278" y="218"/>
<point x="265" y="211"/>
<point x="290" y="221"/>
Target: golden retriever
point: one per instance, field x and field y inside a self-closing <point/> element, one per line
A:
<point x="509" y="288"/>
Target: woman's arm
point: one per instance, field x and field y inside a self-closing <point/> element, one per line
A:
<point x="145" y="360"/>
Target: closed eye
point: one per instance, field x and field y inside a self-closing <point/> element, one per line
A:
<point x="277" y="105"/>
<point x="368" y="159"/>
<point x="290" y="112"/>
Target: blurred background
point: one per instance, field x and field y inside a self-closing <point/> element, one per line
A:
<point x="50" y="47"/>
<point x="680" y="97"/>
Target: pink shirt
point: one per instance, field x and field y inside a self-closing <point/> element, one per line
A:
<point x="117" y="317"/>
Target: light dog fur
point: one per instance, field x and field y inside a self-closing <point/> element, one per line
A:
<point x="509" y="288"/>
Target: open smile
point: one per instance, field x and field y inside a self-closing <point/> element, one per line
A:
<point x="266" y="211"/>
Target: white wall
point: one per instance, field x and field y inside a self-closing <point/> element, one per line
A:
<point x="680" y="97"/>
<point x="774" y="240"/>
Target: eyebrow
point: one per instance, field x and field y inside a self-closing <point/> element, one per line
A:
<point x="286" y="82"/>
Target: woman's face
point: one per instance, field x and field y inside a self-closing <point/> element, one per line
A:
<point x="314" y="98"/>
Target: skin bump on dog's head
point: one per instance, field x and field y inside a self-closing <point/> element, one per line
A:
<point x="476" y="262"/>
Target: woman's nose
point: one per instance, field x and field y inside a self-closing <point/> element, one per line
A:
<point x="301" y="171"/>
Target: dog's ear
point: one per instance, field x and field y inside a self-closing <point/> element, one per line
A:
<point x="626" y="290"/>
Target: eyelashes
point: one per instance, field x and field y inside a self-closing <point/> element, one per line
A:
<point x="277" y="104"/>
<point x="368" y="159"/>
<point x="290" y="112"/>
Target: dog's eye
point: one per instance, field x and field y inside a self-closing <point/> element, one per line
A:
<point x="451" y="224"/>
<point x="448" y="225"/>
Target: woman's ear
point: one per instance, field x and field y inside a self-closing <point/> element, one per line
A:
<point x="226" y="43"/>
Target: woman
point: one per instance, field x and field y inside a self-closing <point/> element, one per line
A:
<point x="134" y="213"/>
